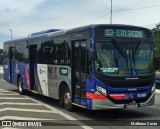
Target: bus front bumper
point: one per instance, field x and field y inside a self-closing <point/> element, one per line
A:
<point x="107" y="104"/>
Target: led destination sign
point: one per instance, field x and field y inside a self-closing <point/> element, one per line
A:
<point x="123" y="33"/>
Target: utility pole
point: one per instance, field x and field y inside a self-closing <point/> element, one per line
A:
<point x="111" y="13"/>
<point x="11" y="34"/>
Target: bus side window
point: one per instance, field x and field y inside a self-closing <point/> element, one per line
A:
<point x="19" y="55"/>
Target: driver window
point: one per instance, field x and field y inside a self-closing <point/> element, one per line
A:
<point x="105" y="57"/>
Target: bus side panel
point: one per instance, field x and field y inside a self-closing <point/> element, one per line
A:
<point x="13" y="79"/>
<point x="56" y="75"/>
<point x="7" y="71"/>
<point x="41" y="79"/>
<point x="37" y="86"/>
<point x="89" y="90"/>
<point x="22" y="69"/>
<point x="49" y="77"/>
<point x="5" y="63"/>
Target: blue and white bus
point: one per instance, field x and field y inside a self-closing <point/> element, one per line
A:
<point x="96" y="67"/>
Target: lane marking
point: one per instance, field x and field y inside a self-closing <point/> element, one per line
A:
<point x="27" y="110"/>
<point x="157" y="91"/>
<point x="11" y="103"/>
<point x="22" y="118"/>
<point x="11" y="128"/>
<point x="6" y="91"/>
<point x="11" y="98"/>
<point x="8" y="94"/>
<point x="81" y="124"/>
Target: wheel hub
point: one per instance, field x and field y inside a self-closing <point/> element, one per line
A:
<point x="20" y="86"/>
<point x="67" y="98"/>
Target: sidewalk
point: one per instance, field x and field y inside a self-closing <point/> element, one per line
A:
<point x="1" y="69"/>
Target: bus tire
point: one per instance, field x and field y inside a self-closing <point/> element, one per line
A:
<point x="20" y="86"/>
<point x="67" y="100"/>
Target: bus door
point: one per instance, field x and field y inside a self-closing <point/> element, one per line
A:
<point x="32" y="61"/>
<point x="12" y="63"/>
<point x="79" y="70"/>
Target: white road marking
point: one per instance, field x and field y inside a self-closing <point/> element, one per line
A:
<point x="8" y="94"/>
<point x="81" y="124"/>
<point x="158" y="91"/>
<point x="6" y="91"/>
<point x="22" y="118"/>
<point x="27" y="110"/>
<point x="1" y="69"/>
<point x="11" y="103"/>
<point x="12" y="98"/>
<point x="10" y="128"/>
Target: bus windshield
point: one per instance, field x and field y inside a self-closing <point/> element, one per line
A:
<point x="115" y="58"/>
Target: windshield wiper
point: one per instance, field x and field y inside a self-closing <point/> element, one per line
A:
<point x="137" y="48"/>
<point x="115" y="42"/>
<point x="135" y="52"/>
<point x="121" y="51"/>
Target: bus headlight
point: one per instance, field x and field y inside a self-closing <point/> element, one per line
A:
<point x="154" y="87"/>
<point x="101" y="90"/>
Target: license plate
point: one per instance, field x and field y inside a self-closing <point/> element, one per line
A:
<point x="132" y="106"/>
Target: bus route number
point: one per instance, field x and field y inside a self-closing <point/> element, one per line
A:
<point x="123" y="33"/>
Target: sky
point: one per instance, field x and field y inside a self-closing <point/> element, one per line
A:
<point x="26" y="16"/>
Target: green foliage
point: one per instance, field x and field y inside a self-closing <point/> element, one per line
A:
<point x="156" y="32"/>
<point x="1" y="56"/>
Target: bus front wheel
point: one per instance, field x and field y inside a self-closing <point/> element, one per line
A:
<point x="20" y="86"/>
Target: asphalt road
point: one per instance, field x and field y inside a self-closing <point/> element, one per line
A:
<point x="43" y="109"/>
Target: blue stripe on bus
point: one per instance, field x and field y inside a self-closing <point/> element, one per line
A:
<point x="6" y="71"/>
<point x="89" y="103"/>
<point x="36" y="80"/>
<point x="77" y="100"/>
<point x="83" y="102"/>
<point x="80" y="101"/>
<point x="90" y="88"/>
<point x="93" y="38"/>
<point x="17" y="68"/>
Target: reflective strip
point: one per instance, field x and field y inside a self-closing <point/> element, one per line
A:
<point x="117" y="96"/>
<point x="96" y="96"/>
<point x="78" y="105"/>
<point x="35" y="92"/>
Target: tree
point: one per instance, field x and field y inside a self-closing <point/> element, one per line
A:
<point x="156" y="32"/>
<point x="1" y="56"/>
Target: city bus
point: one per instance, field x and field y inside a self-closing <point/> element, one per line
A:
<point x="96" y="67"/>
